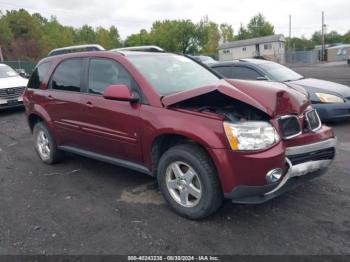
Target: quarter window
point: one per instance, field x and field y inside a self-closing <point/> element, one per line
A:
<point x="244" y="73"/>
<point x="68" y="75"/>
<point x="106" y="72"/>
<point x="38" y="75"/>
<point x="226" y="71"/>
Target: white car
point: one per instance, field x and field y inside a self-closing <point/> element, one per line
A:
<point x="12" y="87"/>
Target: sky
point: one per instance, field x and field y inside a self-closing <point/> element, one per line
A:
<point x="130" y="16"/>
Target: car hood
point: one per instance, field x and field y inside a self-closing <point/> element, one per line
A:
<point x="315" y="85"/>
<point x="15" y="81"/>
<point x="274" y="99"/>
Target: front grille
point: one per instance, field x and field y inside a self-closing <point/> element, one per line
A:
<point x="11" y="93"/>
<point x="323" y="154"/>
<point x="289" y="126"/>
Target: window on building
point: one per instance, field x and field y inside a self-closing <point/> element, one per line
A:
<point x="226" y="51"/>
<point x="267" y="46"/>
<point x="244" y="49"/>
<point x="67" y="75"/>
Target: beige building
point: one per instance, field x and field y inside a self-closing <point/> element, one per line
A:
<point x="338" y="53"/>
<point x="270" y="47"/>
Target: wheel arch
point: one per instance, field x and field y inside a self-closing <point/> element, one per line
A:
<point x="165" y="141"/>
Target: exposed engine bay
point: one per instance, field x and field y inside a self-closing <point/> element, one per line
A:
<point x="215" y="102"/>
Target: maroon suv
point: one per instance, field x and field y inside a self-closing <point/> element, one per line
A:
<point x="204" y="138"/>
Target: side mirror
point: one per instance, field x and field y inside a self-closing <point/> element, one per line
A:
<point x="120" y="93"/>
<point x="25" y="75"/>
<point x="263" y="78"/>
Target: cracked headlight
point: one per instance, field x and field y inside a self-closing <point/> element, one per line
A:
<point x="251" y="135"/>
<point x="328" y="98"/>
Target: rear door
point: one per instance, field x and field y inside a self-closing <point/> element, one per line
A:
<point x="63" y="101"/>
<point x="111" y="127"/>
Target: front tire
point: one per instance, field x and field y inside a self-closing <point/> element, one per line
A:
<point x="188" y="181"/>
<point x="45" y="144"/>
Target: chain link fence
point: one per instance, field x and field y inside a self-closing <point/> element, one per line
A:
<point x="28" y="66"/>
<point x="302" y="57"/>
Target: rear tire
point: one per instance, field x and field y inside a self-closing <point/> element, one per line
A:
<point x="45" y="144"/>
<point x="188" y="181"/>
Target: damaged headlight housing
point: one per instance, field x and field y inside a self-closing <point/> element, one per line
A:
<point x="250" y="135"/>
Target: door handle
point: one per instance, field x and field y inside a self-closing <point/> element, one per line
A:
<point x="50" y="97"/>
<point x="89" y="104"/>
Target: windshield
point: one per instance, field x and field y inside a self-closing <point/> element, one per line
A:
<point x="6" y="71"/>
<point x="279" y="72"/>
<point x="170" y="73"/>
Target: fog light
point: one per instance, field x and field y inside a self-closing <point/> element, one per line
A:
<point x="274" y="175"/>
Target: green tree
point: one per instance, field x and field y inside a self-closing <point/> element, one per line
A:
<point x="5" y="34"/>
<point x="174" y="35"/>
<point x="26" y="31"/>
<point x="114" y="35"/>
<point x="299" y="43"/>
<point x="85" y="35"/>
<point x="141" y="38"/>
<point x="329" y="38"/>
<point x="258" y="26"/>
<point x="333" y="37"/>
<point x="346" y="38"/>
<point x="103" y="37"/>
<point x="67" y="36"/>
<point x="42" y="20"/>
<point x="213" y="39"/>
<point x="243" y="33"/>
<point x="226" y="31"/>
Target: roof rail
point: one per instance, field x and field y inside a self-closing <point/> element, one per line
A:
<point x="145" y="48"/>
<point x="75" y="48"/>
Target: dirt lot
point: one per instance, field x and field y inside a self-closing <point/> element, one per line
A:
<point x="83" y="206"/>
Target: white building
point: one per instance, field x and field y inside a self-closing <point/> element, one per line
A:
<point x="270" y="47"/>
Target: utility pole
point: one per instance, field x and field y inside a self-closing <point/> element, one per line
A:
<point x="290" y="32"/>
<point x="290" y="27"/>
<point x="323" y="44"/>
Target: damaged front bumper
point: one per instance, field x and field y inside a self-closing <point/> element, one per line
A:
<point x="304" y="163"/>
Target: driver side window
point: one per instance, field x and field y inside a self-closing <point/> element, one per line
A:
<point x="106" y="72"/>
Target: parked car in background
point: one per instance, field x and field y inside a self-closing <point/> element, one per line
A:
<point x="12" y="87"/>
<point x="205" y="59"/>
<point x="332" y="100"/>
<point x="162" y="114"/>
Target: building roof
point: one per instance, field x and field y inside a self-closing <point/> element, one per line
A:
<point x="253" y="41"/>
<point x="339" y="46"/>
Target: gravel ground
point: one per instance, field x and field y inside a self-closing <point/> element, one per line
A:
<point x="82" y="206"/>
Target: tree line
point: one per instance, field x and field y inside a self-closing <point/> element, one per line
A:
<point x="32" y="36"/>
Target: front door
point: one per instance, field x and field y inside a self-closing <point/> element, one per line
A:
<point x="111" y="127"/>
<point x="257" y="50"/>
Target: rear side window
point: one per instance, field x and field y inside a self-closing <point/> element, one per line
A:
<point x="246" y="73"/>
<point x="38" y="75"/>
<point x="106" y="72"/>
<point x="226" y="71"/>
<point x="67" y="76"/>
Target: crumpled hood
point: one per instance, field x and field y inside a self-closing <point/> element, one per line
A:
<point x="325" y="86"/>
<point x="274" y="99"/>
<point x="15" y="81"/>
